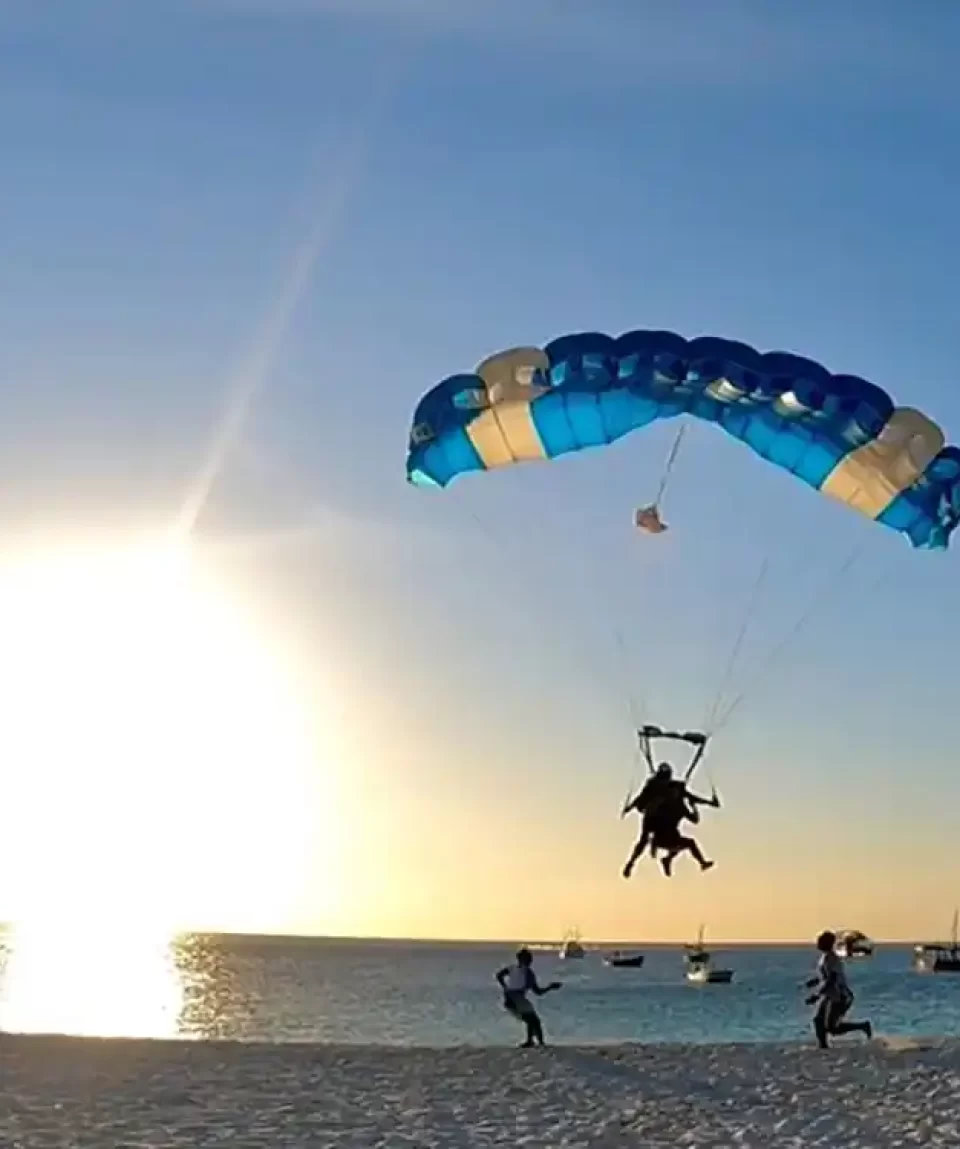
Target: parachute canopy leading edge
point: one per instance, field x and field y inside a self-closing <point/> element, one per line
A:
<point x="840" y="434"/>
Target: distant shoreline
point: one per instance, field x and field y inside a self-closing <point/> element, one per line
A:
<point x="591" y="944"/>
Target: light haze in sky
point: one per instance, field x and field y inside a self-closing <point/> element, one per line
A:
<point x="240" y="238"/>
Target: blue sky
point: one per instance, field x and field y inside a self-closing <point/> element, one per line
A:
<point x="455" y="178"/>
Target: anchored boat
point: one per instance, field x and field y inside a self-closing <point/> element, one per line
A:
<point x="571" y="948"/>
<point x="624" y="960"/>
<point x="700" y="967"/>
<point x="938" y="957"/>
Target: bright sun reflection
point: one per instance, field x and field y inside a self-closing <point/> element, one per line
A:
<point x="78" y="978"/>
<point x="160" y="771"/>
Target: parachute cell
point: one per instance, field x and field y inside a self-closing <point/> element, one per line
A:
<point x="840" y="434"/>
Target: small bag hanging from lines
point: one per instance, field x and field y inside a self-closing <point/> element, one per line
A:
<point x="647" y="519"/>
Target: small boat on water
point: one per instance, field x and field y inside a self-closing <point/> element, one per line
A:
<point x="938" y="957"/>
<point x="700" y="967"/>
<point x="854" y="944"/>
<point x="621" y="960"/>
<point x="571" y="948"/>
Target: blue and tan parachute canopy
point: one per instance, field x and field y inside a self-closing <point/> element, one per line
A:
<point x="838" y="433"/>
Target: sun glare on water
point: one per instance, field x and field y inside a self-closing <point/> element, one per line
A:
<point x="161" y="771"/>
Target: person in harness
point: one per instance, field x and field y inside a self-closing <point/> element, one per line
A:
<point x="679" y="804"/>
<point x="648" y="803"/>
<point x="664" y="802"/>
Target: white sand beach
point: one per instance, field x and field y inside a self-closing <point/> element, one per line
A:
<point x="57" y="1093"/>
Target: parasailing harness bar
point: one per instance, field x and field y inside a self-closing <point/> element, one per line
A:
<point x="646" y="736"/>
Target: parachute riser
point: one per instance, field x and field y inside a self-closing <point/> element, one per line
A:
<point x="646" y="736"/>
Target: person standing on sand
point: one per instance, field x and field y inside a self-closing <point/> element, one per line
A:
<point x="834" y="997"/>
<point x="517" y="981"/>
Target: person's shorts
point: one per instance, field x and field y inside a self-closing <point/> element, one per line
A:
<point x="517" y="1004"/>
<point x="666" y="836"/>
<point x="834" y="1011"/>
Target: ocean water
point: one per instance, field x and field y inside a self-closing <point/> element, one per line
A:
<point x="309" y="990"/>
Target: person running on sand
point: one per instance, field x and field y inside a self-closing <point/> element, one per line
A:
<point x="834" y="996"/>
<point x="517" y="981"/>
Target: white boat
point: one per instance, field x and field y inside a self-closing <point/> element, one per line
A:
<point x="700" y="967"/>
<point x="571" y="948"/>
<point x="938" y="957"/>
<point x="854" y="944"/>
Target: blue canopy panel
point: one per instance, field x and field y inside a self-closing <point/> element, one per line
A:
<point x="838" y="433"/>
